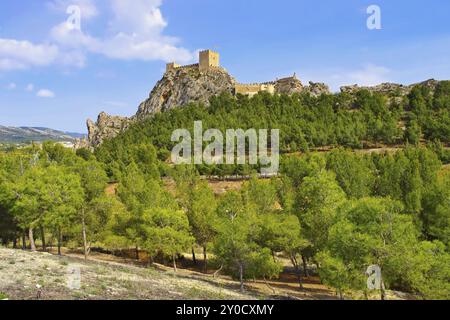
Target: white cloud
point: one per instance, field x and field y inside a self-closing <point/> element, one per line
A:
<point x="87" y="7"/>
<point x="11" y="86"/>
<point x="30" y="87"/>
<point x="135" y="32"/>
<point x="139" y="35"/>
<point x="71" y="38"/>
<point x="133" y="47"/>
<point x="143" y="18"/>
<point x="45" y="93"/>
<point x="16" y="54"/>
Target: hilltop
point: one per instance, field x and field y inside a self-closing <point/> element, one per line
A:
<point x="181" y="85"/>
<point x="198" y="83"/>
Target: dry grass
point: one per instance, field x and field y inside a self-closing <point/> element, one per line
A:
<point x="26" y="275"/>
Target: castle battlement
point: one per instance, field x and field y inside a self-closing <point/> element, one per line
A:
<point x="208" y="60"/>
<point x="251" y="89"/>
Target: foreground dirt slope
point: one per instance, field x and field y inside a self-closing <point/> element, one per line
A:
<point x="27" y="275"/>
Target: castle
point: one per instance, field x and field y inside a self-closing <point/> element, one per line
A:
<point x="210" y="60"/>
<point x="198" y="83"/>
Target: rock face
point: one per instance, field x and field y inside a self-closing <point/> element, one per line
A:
<point x="106" y="127"/>
<point x="390" y="88"/>
<point x="181" y="86"/>
<point x="177" y="88"/>
<point x="317" y="88"/>
<point x="293" y="85"/>
<point x="289" y="86"/>
<point x="385" y="88"/>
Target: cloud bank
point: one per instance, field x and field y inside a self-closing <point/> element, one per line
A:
<point x="134" y="33"/>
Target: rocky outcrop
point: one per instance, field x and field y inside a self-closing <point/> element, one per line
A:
<point x="384" y="88"/>
<point x="390" y="88"/>
<point x="106" y="127"/>
<point x="293" y="85"/>
<point x="288" y="86"/>
<point x="317" y="88"/>
<point x="431" y="84"/>
<point x="82" y="143"/>
<point x="177" y="88"/>
<point x="184" y="85"/>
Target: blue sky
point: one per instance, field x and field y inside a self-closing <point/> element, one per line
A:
<point x="55" y="76"/>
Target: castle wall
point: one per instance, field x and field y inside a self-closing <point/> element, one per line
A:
<point x="171" y="66"/>
<point x="253" y="88"/>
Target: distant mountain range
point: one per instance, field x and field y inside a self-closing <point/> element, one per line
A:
<point x="37" y="134"/>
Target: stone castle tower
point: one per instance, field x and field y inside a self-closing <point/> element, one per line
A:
<point x="208" y="59"/>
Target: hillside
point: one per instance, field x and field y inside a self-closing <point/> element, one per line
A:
<point x="196" y="83"/>
<point x="23" y="274"/>
<point x="362" y="120"/>
<point x="202" y="83"/>
<point x="37" y="134"/>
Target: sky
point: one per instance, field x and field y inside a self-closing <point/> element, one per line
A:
<point x="63" y="61"/>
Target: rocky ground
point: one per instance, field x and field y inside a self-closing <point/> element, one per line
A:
<point x="38" y="275"/>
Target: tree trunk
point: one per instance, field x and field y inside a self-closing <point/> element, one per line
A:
<point x="305" y="267"/>
<point x="194" y="259"/>
<point x="299" y="276"/>
<point x="15" y="242"/>
<point x="269" y="286"/>
<point x="84" y="238"/>
<point x="297" y="271"/>
<point x="137" y="252"/>
<point x="205" y="260"/>
<point x="217" y="272"/>
<point x="341" y="296"/>
<point x="150" y="260"/>
<point x="382" y="290"/>
<point x="241" y="276"/>
<point x="59" y="241"/>
<point x="30" y="235"/>
<point x="24" y="241"/>
<point x="44" y="246"/>
<point x="174" y="263"/>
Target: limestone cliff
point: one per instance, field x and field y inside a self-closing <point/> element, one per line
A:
<point x="106" y="127"/>
<point x="177" y="88"/>
<point x="181" y="86"/>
